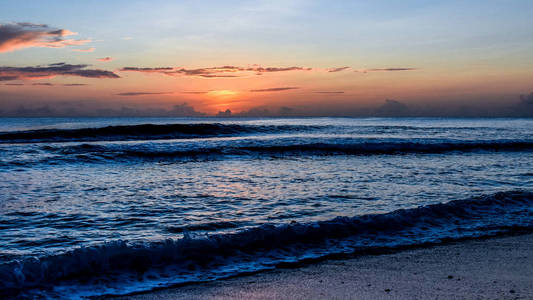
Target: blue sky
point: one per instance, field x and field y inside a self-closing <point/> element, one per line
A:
<point x="456" y="45"/>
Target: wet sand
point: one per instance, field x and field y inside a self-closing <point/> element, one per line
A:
<point x="496" y="268"/>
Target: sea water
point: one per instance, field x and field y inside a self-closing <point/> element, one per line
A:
<point x="116" y="205"/>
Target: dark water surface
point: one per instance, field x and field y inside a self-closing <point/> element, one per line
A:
<point x="111" y="206"/>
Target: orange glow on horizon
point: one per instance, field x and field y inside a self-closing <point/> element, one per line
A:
<point x="222" y="94"/>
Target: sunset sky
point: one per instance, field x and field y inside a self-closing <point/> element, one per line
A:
<point x="100" y="58"/>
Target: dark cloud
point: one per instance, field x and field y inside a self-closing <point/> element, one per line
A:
<point x="275" y="89"/>
<point x="52" y="70"/>
<point x="7" y="78"/>
<point x="184" y="110"/>
<point x="43" y="83"/>
<point x="329" y="92"/>
<point x="271" y="69"/>
<point x="212" y="72"/>
<point x="41" y="111"/>
<point x="224" y="114"/>
<point x="392" y="108"/>
<point x="147" y="70"/>
<point x="15" y="36"/>
<point x="526" y="99"/>
<point x="286" y="111"/>
<point x="332" y="70"/>
<point x="105" y="59"/>
<point x="385" y="70"/>
<point x="13" y="84"/>
<point x="261" y="111"/>
<point x="255" y="112"/>
<point x="142" y="93"/>
<point x="88" y="109"/>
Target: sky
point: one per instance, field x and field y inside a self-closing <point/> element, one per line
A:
<point x="266" y="58"/>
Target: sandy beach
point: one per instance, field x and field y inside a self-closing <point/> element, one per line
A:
<point x="496" y="268"/>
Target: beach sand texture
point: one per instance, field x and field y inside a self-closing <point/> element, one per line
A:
<point x="497" y="268"/>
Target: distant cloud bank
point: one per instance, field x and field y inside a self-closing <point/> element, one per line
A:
<point x="16" y="36"/>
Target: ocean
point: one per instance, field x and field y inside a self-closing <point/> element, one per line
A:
<point x="111" y="206"/>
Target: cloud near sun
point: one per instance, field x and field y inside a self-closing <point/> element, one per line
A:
<point x="213" y="72"/>
<point x="52" y="70"/>
<point x="15" y="36"/>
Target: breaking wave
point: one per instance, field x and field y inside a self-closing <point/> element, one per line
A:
<point x="123" y="267"/>
<point x="144" y="132"/>
<point x="94" y="152"/>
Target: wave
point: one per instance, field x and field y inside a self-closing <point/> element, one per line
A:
<point x="123" y="267"/>
<point x="144" y="132"/>
<point x="94" y="152"/>
<point x="211" y="226"/>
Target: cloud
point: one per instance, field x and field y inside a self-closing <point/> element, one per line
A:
<point x="224" y="114"/>
<point x="52" y="70"/>
<point x="329" y="92"/>
<point x="105" y="59"/>
<point x="255" y="112"/>
<point x="84" y="50"/>
<point x="184" y="110"/>
<point x="286" y="111"/>
<point x="526" y="99"/>
<point x="88" y="109"/>
<point x="13" y="84"/>
<point x="41" y="111"/>
<point x="142" y="93"/>
<point x="275" y="89"/>
<point x="213" y="72"/>
<point x="262" y="111"/>
<point x="332" y="70"/>
<point x="273" y="69"/>
<point x="16" y="36"/>
<point x="392" y="108"/>
<point x="385" y="70"/>
<point x="75" y="84"/>
<point x="43" y="83"/>
<point x="195" y="92"/>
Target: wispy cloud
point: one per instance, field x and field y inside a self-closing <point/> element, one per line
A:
<point x="385" y="70"/>
<point x="84" y="50"/>
<point x="213" y="72"/>
<point x="16" y="36"/>
<point x="75" y="84"/>
<point x="105" y="59"/>
<point x="194" y="92"/>
<point x="52" y="70"/>
<point x="332" y="70"/>
<point x="329" y="92"/>
<point x="142" y="93"/>
<point x="43" y="83"/>
<point x="275" y="89"/>
<point x="14" y="84"/>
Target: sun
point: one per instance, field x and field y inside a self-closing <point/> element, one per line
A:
<point x="223" y="94"/>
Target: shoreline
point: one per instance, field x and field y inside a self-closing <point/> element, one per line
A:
<point x="488" y="268"/>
